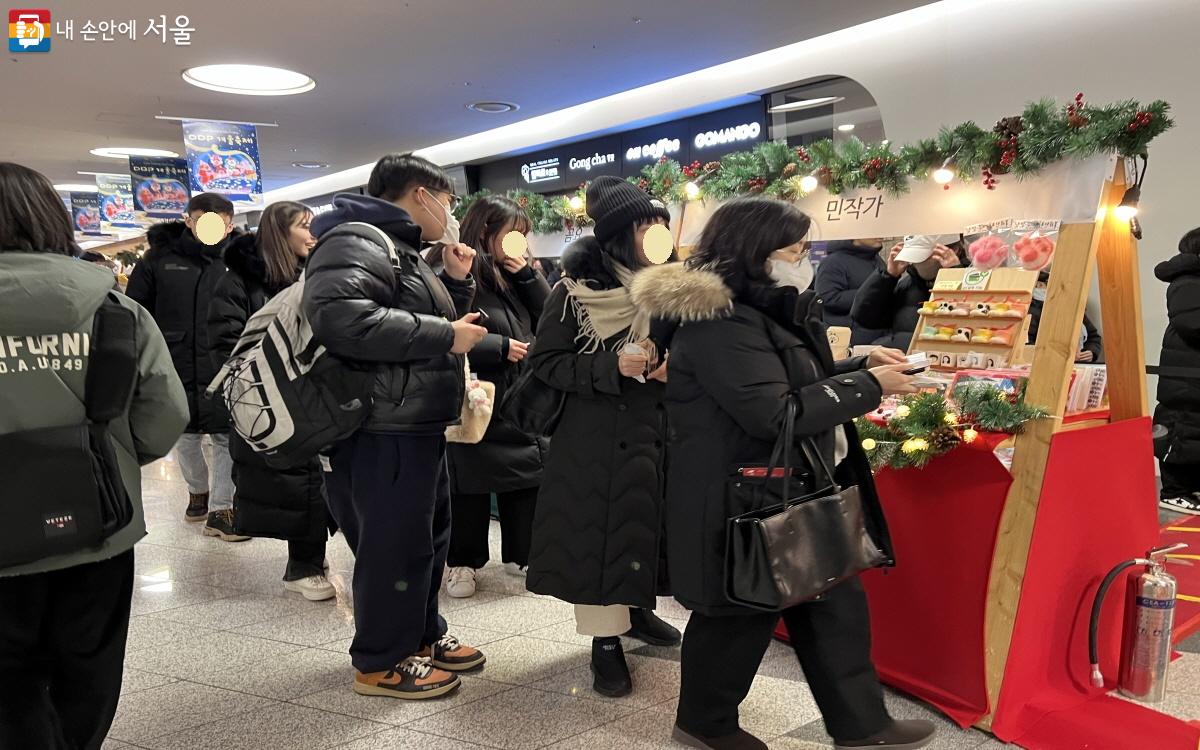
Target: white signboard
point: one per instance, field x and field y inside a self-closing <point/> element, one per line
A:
<point x="1068" y="191"/>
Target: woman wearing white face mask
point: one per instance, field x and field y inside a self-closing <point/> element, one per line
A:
<point x="1091" y="344"/>
<point x="749" y="336"/>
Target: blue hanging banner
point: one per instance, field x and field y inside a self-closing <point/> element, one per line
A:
<point x="85" y="212"/>
<point x="116" y="201"/>
<point x="222" y="157"/>
<point x="160" y="185"/>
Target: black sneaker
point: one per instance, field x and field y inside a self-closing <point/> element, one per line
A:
<point x="739" y="740"/>
<point x="220" y="525"/>
<point x="1189" y="504"/>
<point x="197" y="509"/>
<point x="611" y="673"/>
<point x="412" y="679"/>
<point x="648" y="627"/>
<point x="911" y="734"/>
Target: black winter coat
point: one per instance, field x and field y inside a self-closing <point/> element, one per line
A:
<point x="279" y="503"/>
<point x="891" y="304"/>
<point x="361" y="308"/>
<point x="506" y="459"/>
<point x="598" y="527"/>
<point x="732" y="363"/>
<point x="1094" y="343"/>
<point x="175" y="281"/>
<point x="1179" y="382"/>
<point x="839" y="277"/>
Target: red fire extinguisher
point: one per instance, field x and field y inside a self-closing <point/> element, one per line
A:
<point x="1149" y="619"/>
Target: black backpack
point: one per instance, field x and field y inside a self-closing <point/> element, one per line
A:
<point x="63" y="488"/>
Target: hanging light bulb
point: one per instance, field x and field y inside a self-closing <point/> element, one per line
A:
<point x="576" y="203"/>
<point x="692" y="190"/>
<point x="1128" y="208"/>
<point x="809" y="182"/>
<point x="945" y="173"/>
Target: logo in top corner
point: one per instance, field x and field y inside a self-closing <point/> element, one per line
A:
<point x="29" y="30"/>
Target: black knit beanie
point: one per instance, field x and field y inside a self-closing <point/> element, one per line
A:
<point x="615" y="204"/>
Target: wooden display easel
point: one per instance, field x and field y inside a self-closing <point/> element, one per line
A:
<point x="1109" y="246"/>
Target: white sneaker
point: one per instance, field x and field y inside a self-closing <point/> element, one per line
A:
<point x="1189" y="504"/>
<point x="460" y="583"/>
<point x="313" y="588"/>
<point x="516" y="570"/>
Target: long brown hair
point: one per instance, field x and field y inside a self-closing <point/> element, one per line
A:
<point x="485" y="219"/>
<point x="274" y="230"/>
<point x="33" y="218"/>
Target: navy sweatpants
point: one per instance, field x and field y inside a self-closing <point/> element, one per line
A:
<point x="390" y="495"/>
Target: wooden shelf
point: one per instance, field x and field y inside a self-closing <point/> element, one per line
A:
<point x="990" y="319"/>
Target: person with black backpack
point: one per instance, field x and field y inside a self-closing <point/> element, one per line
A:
<point x="80" y="365"/>
<point x="387" y="484"/>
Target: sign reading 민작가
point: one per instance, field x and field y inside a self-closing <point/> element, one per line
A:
<point x="85" y="212"/>
<point x="222" y="157"/>
<point x="160" y="185"/>
<point x="116" y="201"/>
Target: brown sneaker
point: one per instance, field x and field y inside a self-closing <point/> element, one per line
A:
<point x="453" y="656"/>
<point x="412" y="679"/>
<point x="220" y="525"/>
<point x="197" y="509"/>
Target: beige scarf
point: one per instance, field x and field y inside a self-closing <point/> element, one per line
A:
<point x="602" y="314"/>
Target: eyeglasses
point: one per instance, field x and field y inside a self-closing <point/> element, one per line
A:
<point x="452" y="199"/>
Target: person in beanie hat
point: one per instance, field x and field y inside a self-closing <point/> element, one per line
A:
<point x="597" y="530"/>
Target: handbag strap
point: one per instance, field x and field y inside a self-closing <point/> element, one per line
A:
<point x="112" y="362"/>
<point x="812" y="453"/>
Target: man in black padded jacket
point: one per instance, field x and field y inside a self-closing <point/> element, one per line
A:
<point x="387" y="485"/>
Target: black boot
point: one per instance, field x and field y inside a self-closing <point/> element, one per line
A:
<point x="648" y="627"/>
<point x="899" y="735"/>
<point x="739" y="740"/>
<point x="609" y="668"/>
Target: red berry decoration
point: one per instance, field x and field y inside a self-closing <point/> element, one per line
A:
<point x="756" y="184"/>
<point x="643" y="183"/>
<point x="802" y="154"/>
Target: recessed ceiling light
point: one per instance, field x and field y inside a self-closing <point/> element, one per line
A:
<point x="493" y="108"/>
<point x="124" y="152"/>
<point x="846" y="128"/>
<point x="249" y="80"/>
<point x="806" y="104"/>
<point x="76" y="187"/>
<point x="310" y="164"/>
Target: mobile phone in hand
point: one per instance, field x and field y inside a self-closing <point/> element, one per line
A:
<point x="918" y="361"/>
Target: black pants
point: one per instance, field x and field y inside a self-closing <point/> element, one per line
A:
<point x="62" y="649"/>
<point x="1179" y="480"/>
<point x="390" y="494"/>
<point x="831" y="637"/>
<point x="472" y="518"/>
<point x="305" y="558"/>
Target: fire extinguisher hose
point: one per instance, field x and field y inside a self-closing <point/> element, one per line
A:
<point x="1094" y="624"/>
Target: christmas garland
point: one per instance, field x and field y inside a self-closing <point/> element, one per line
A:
<point x="924" y="426"/>
<point x="1020" y="145"/>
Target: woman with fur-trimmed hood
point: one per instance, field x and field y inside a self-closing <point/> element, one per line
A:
<point x="750" y="335"/>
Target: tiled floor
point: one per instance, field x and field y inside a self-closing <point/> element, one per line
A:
<point x="221" y="658"/>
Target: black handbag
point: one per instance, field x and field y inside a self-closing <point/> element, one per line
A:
<point x="531" y="406"/>
<point x="790" y="552"/>
<point x="64" y="492"/>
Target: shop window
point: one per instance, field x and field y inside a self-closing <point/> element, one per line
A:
<point x="830" y="107"/>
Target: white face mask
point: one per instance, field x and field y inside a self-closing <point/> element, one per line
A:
<point x="450" y="228"/>
<point x="799" y="275"/>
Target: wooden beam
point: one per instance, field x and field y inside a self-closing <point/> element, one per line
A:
<point x="1049" y="384"/>
<point x="1121" y="311"/>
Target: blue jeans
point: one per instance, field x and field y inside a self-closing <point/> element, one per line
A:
<point x="189" y="452"/>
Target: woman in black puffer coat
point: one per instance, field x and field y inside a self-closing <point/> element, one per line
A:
<point x="598" y="528"/>
<point x="1179" y="379"/>
<point x="511" y="294"/>
<point x="279" y="503"/>
<point x="748" y="340"/>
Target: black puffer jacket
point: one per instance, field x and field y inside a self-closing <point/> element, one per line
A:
<point x="506" y="459"/>
<point x="361" y="308"/>
<point x="598" y="527"/>
<point x="1179" y="383"/>
<point x="732" y="363"/>
<point x="175" y="281"/>
<point x="279" y="503"/>
<point x="891" y="304"/>
<point x="839" y="277"/>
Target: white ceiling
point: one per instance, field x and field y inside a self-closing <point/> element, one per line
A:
<point x="391" y="76"/>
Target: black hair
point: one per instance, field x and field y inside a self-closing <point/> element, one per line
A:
<point x="215" y="202"/>
<point x="396" y="174"/>
<point x="623" y="249"/>
<point x="1190" y="242"/>
<point x="33" y="218"/>
<point x="484" y="220"/>
<point x="741" y="235"/>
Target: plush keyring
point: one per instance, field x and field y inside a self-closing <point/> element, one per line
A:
<point x="988" y="252"/>
<point x="1034" y="251"/>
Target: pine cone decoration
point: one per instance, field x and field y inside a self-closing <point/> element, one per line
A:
<point x="1010" y="127"/>
<point x="943" y="439"/>
<point x="790" y="169"/>
<point x="523" y="202"/>
<point x="825" y="176"/>
<point x="712" y="166"/>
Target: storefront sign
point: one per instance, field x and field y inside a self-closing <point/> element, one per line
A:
<point x="116" y="201"/>
<point x="160" y="185"/>
<point x="543" y="170"/>
<point x="85" y="212"/>
<point x="651" y="151"/>
<point x="223" y="158"/>
<point x="749" y="131"/>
